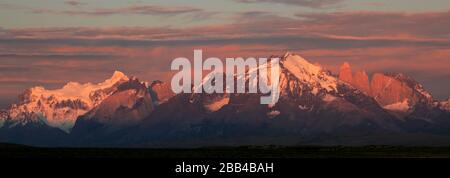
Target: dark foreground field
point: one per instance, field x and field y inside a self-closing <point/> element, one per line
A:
<point x="19" y="151"/>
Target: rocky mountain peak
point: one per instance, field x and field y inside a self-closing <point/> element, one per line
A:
<point x="160" y="92"/>
<point x="444" y="105"/>
<point x="392" y="90"/>
<point x="361" y="81"/>
<point x="345" y="73"/>
<point x="126" y="106"/>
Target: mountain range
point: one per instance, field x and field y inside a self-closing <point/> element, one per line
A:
<point x="316" y="107"/>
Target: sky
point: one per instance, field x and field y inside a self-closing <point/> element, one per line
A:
<point x="51" y="42"/>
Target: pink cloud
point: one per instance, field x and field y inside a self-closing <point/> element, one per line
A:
<point x="416" y="44"/>
<point x="304" y="3"/>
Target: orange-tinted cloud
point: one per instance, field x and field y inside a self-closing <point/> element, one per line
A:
<point x="417" y="44"/>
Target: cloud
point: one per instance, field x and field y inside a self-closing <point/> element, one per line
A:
<point x="307" y="30"/>
<point x="60" y="56"/>
<point x="375" y="4"/>
<point x="74" y="3"/>
<point x="304" y="3"/>
<point x="196" y="13"/>
<point x="388" y="24"/>
<point x="134" y="9"/>
<point x="257" y="16"/>
<point x="413" y="43"/>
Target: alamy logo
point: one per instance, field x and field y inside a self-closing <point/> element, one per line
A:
<point x="237" y="71"/>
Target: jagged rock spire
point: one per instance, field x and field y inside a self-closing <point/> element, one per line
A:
<point x="345" y="73"/>
<point x="361" y="81"/>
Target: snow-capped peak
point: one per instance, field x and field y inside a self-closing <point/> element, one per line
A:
<point x="291" y="61"/>
<point x="308" y="72"/>
<point x="77" y="91"/>
<point x="116" y="77"/>
<point x="61" y="107"/>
